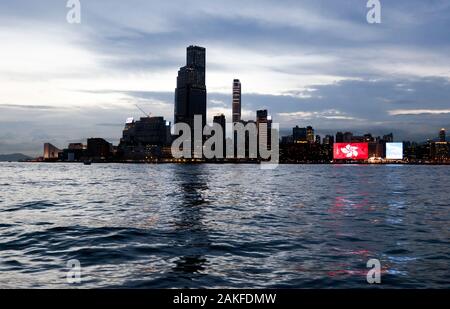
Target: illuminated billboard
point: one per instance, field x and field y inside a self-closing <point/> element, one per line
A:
<point x="394" y="151"/>
<point x="351" y="151"/>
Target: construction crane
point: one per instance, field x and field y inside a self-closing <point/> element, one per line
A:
<point x="146" y="115"/>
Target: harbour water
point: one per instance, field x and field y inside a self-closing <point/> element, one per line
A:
<point x="231" y="226"/>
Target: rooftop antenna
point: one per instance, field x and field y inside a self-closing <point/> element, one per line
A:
<point x="146" y="115"/>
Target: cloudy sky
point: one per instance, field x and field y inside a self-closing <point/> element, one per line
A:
<point x="309" y="62"/>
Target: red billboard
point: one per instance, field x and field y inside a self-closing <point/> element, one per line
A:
<point x="351" y="151"/>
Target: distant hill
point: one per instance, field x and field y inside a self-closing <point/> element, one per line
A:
<point x="14" y="157"/>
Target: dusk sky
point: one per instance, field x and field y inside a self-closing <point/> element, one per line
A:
<point x="312" y="62"/>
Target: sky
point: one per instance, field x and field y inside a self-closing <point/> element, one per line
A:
<point x="311" y="62"/>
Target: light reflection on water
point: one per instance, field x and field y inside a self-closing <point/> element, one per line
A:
<point x="298" y="226"/>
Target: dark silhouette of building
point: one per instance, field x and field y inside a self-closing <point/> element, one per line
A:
<point x="190" y="94"/>
<point x="339" y="137"/>
<point x="347" y="137"/>
<point x="299" y="134"/>
<point x="145" y="139"/>
<point x="98" y="148"/>
<point x="442" y="137"/>
<point x="237" y="100"/>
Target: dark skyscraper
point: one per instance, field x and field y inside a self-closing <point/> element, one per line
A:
<point x="237" y="100"/>
<point x="299" y="134"/>
<point x="190" y="94"/>
<point x="339" y="137"/>
<point x="262" y="116"/>
<point x="442" y="137"/>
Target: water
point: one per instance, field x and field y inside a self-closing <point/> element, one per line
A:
<point x="214" y="226"/>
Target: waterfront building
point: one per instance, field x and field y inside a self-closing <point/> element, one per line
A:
<point x="145" y="139"/>
<point x="51" y="152"/>
<point x="99" y="149"/>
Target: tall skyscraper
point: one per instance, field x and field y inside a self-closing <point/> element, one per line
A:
<point x="237" y="92"/>
<point x="190" y="94"/>
<point x="310" y="134"/>
<point x="299" y="134"/>
<point x="339" y="137"/>
<point x="262" y="116"/>
<point x="442" y="137"/>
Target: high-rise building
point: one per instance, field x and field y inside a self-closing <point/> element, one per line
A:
<point x="237" y="92"/>
<point x="299" y="134"/>
<point x="339" y="137"/>
<point x="98" y="148"/>
<point x="262" y="117"/>
<point x="220" y="119"/>
<point x="348" y="137"/>
<point x="190" y="94"/>
<point x="310" y="134"/>
<point x="144" y="138"/>
<point x="442" y="137"/>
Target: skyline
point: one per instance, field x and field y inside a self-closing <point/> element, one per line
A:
<point x="324" y="66"/>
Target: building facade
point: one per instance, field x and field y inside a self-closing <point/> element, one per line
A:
<point x="237" y="100"/>
<point x="190" y="93"/>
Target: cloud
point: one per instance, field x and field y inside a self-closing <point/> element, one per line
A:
<point x="326" y="114"/>
<point x="399" y="112"/>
